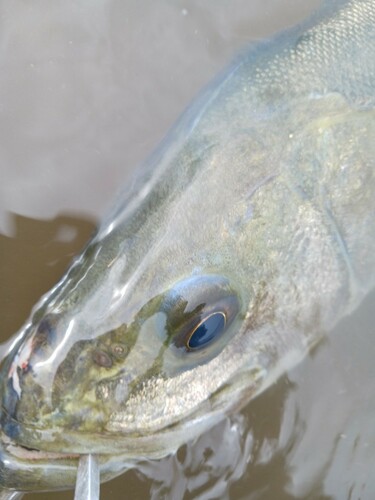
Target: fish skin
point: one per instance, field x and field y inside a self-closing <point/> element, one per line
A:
<point x="264" y="190"/>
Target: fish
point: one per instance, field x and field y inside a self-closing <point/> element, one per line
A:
<point x="241" y="242"/>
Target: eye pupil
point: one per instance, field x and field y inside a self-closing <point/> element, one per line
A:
<point x="207" y="330"/>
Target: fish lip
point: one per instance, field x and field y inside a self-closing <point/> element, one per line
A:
<point x="24" y="453"/>
<point x="32" y="470"/>
<point x="23" y="469"/>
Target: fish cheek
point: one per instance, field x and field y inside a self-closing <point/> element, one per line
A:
<point x="92" y="379"/>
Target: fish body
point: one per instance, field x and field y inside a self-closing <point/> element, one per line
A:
<point x="245" y="237"/>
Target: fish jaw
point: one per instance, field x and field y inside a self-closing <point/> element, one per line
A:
<point x="23" y="469"/>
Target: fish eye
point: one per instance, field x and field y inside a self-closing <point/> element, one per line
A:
<point x="199" y="312"/>
<point x="208" y="329"/>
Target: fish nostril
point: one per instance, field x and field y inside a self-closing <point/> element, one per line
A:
<point x="102" y="359"/>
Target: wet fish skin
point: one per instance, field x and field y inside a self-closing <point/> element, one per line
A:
<point x="264" y="192"/>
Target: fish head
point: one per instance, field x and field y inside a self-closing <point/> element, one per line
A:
<point x="156" y="331"/>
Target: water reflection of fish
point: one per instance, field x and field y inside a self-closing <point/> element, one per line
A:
<point x="248" y="234"/>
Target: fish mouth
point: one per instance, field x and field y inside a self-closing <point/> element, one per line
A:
<point x="24" y="453"/>
<point x="28" y="469"/>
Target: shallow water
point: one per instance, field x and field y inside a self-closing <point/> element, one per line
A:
<point x="87" y="90"/>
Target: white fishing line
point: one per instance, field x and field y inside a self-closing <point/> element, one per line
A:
<point x="88" y="479"/>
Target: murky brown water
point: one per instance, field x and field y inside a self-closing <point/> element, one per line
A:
<point x="87" y="89"/>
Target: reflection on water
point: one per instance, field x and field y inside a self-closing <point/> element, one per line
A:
<point x="99" y="88"/>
